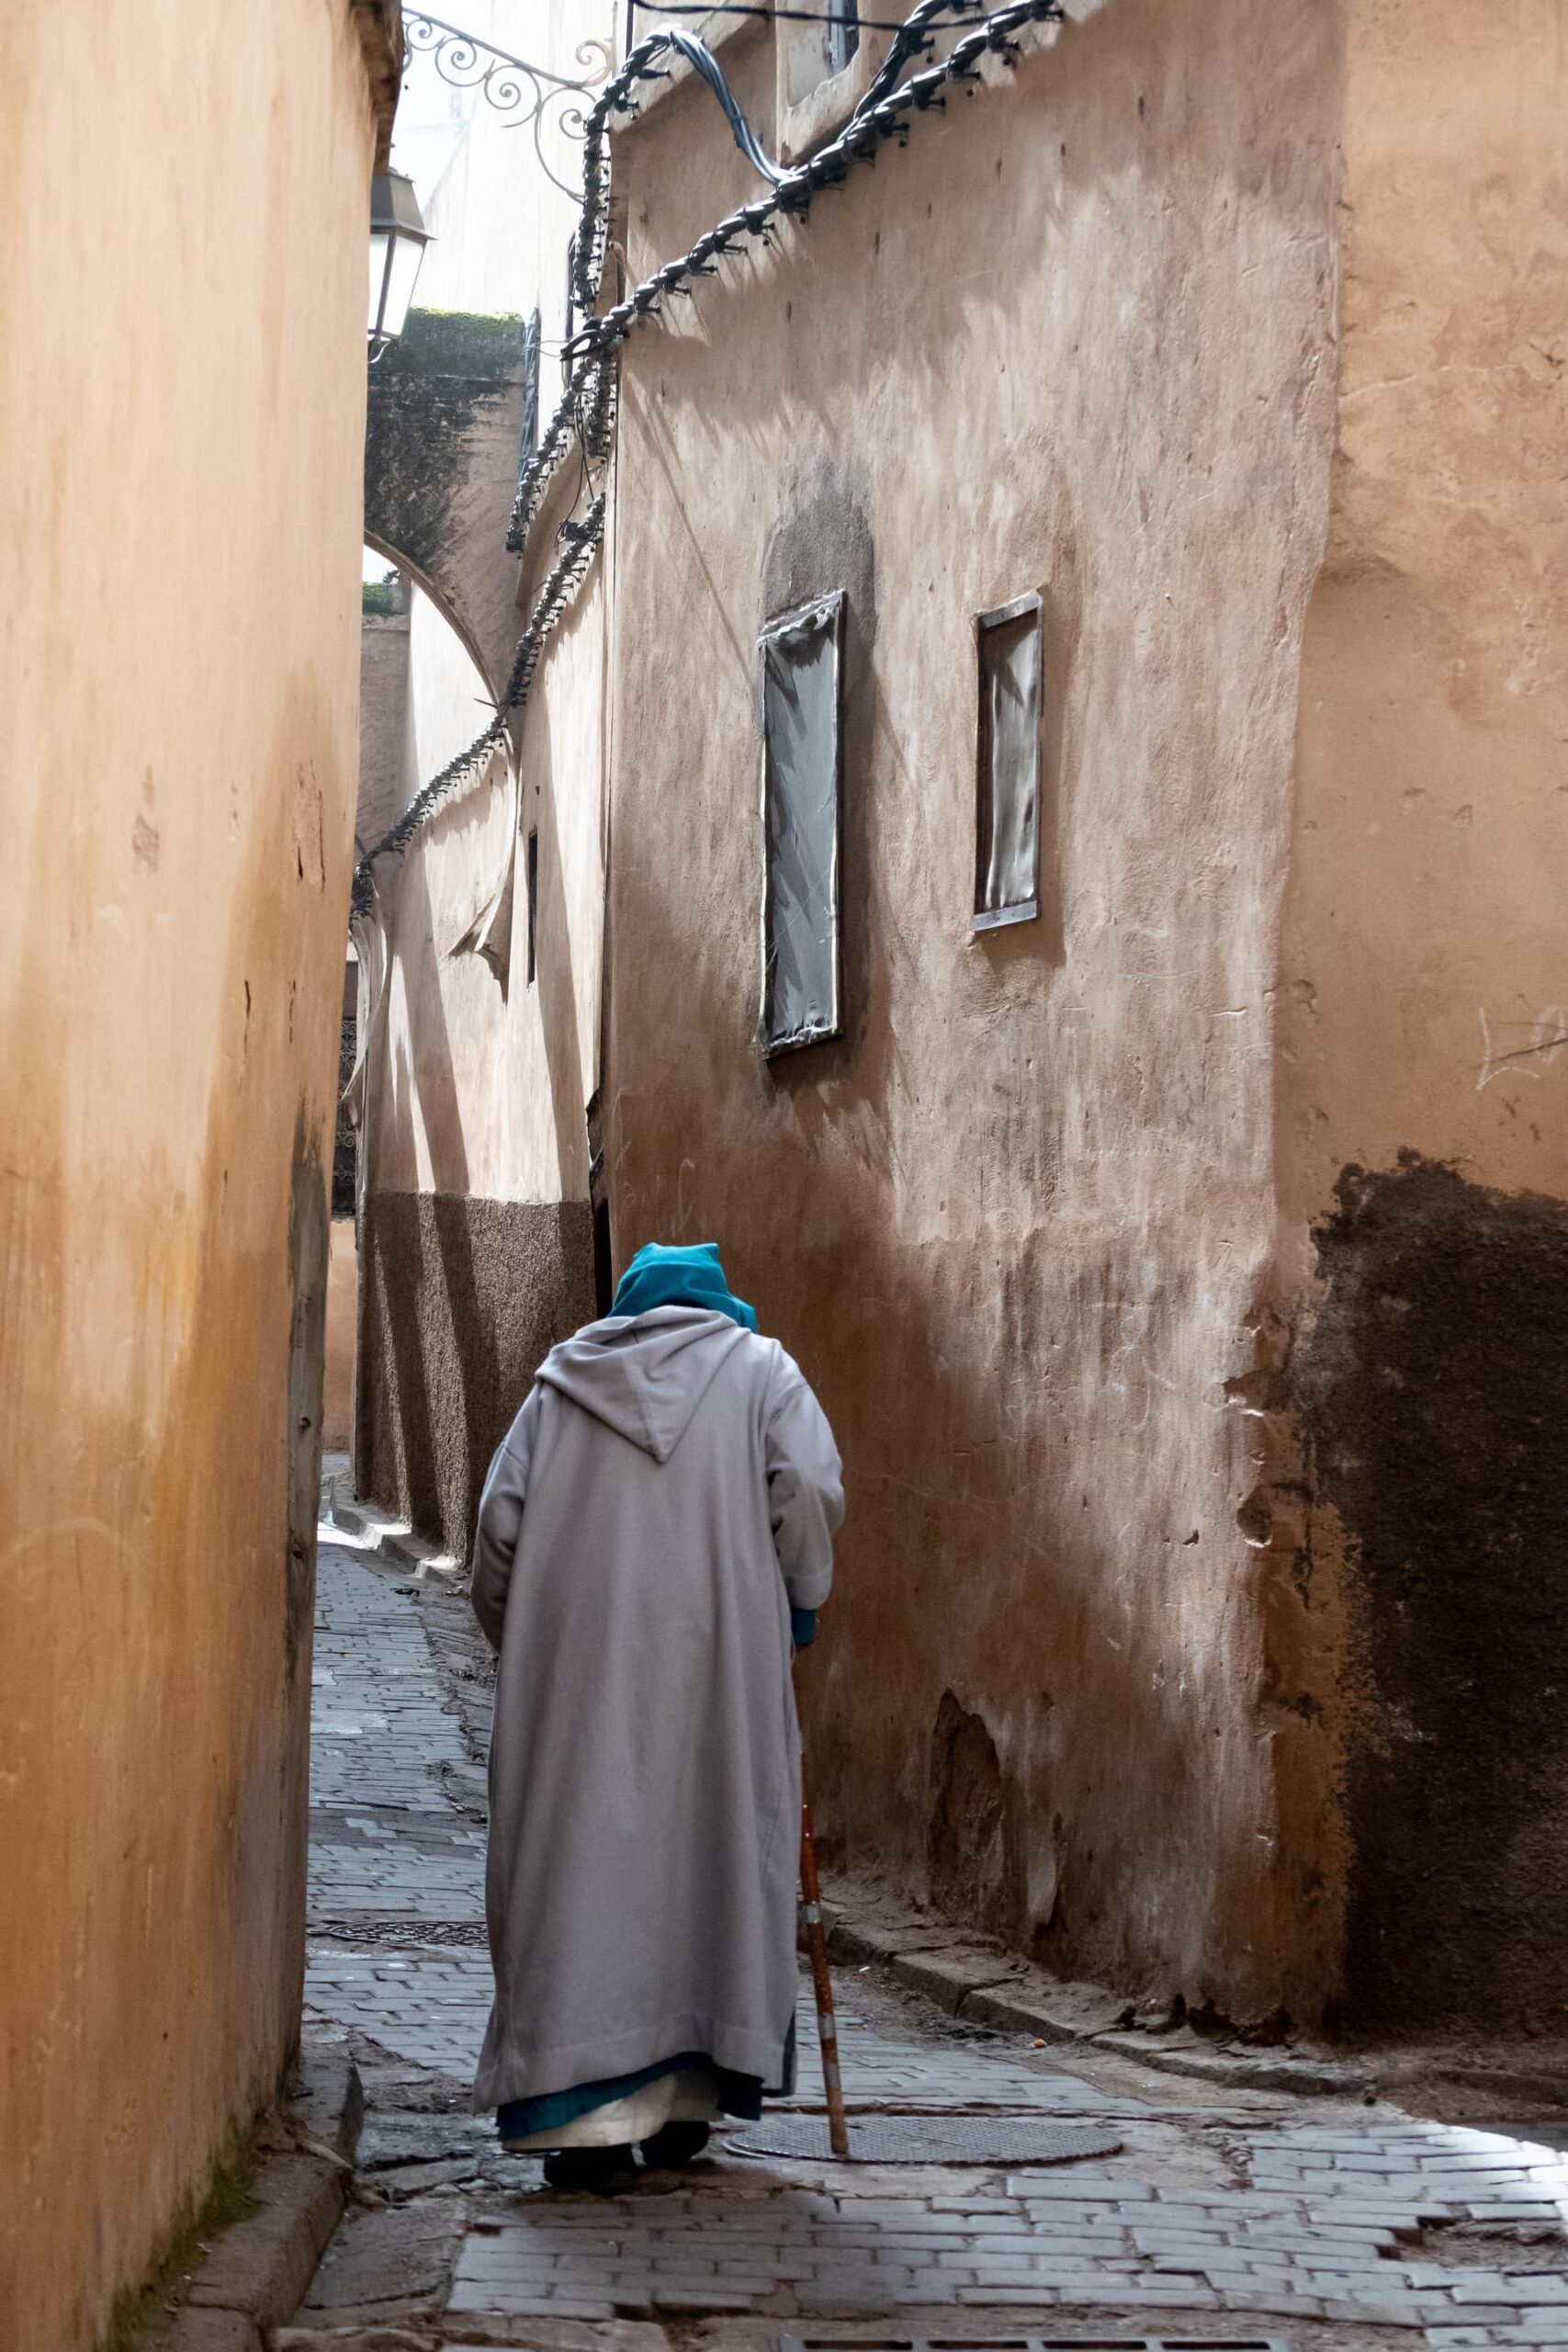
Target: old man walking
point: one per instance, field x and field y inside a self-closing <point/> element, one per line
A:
<point x="658" y="1519"/>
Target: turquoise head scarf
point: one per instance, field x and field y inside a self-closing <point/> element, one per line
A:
<point x="661" y="1276"/>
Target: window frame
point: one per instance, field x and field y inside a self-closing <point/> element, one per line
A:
<point x="836" y="605"/>
<point x="531" y="887"/>
<point x="987" y="919"/>
<point x="843" y="17"/>
<point x="569" y="326"/>
<point x="803" y="122"/>
<point x="533" y="353"/>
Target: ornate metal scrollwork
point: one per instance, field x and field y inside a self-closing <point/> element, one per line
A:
<point x="529" y="95"/>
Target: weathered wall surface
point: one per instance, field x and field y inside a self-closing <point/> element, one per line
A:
<point x="342" y="1295"/>
<point x="478" y="1089"/>
<point x="181" y="404"/>
<point x="1422" y="1011"/>
<point x="461" y="1300"/>
<point x="481" y="1253"/>
<point x="1077" y="338"/>
<point x="383" y="724"/>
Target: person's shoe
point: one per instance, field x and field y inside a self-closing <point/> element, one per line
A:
<point x="675" y="2145"/>
<point x="604" y="2171"/>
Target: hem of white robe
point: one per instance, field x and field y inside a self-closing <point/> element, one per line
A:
<point x="684" y="2097"/>
<point x="507" y="2074"/>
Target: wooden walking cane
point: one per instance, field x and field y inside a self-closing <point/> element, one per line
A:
<point x="821" y="1982"/>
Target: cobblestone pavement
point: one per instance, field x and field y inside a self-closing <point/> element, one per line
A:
<point x="1323" y="2222"/>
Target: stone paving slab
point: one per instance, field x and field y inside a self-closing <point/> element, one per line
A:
<point x="1237" y="2218"/>
<point x="809" y="2251"/>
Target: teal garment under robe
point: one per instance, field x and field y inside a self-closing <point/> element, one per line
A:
<point x="524" y="2119"/>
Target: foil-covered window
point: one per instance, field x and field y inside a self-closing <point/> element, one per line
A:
<point x="1007" y="832"/>
<point x="801" y="665"/>
<point x="531" y="347"/>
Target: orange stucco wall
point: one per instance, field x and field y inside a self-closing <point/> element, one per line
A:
<point x="181" y="406"/>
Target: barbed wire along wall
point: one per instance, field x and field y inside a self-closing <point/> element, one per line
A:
<point x="585" y="416"/>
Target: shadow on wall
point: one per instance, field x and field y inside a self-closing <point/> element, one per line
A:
<point x="1068" y="1818"/>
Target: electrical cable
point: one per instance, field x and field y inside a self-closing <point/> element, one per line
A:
<point x="586" y="410"/>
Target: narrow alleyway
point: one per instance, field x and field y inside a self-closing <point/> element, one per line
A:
<point x="1220" y="2225"/>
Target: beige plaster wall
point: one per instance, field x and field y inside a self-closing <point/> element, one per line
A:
<point x="337" y="1384"/>
<point x="1077" y="338"/>
<point x="1423" y="955"/>
<point x="182" y="286"/>
<point x="1412" y="1526"/>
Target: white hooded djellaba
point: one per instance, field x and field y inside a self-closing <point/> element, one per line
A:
<point x="666" y="1496"/>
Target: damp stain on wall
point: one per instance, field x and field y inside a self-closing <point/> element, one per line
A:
<point x="1434" y="1392"/>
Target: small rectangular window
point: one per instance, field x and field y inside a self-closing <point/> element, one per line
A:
<point x="532" y="906"/>
<point x="1007" y="831"/>
<point x="800" y="657"/>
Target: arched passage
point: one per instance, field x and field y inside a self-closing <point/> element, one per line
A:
<point x="442" y="437"/>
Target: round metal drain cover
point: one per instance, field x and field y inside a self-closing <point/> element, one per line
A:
<point x="931" y="2139"/>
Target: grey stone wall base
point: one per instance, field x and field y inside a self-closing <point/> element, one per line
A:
<point x="198" y="2331"/>
<point x="355" y="2339"/>
<point x="326" y="2099"/>
<point x="986" y="1984"/>
<point x="257" y="2274"/>
<point x="392" y="1541"/>
<point x="263" y="2266"/>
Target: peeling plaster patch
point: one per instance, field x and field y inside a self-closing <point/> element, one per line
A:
<point x="972" y="1855"/>
<point x="146" y="844"/>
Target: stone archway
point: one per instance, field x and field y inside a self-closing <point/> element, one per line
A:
<point x="442" y="438"/>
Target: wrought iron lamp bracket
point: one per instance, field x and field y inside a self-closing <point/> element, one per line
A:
<point x="528" y="95"/>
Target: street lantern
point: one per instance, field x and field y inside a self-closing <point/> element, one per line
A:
<point x="398" y="240"/>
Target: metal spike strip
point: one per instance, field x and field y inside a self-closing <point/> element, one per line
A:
<point x="882" y="114"/>
<point x="581" y="540"/>
<point x="587" y="406"/>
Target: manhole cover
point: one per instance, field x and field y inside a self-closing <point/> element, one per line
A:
<point x="931" y="2140"/>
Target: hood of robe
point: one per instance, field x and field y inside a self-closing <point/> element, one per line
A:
<point x="645" y="1375"/>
